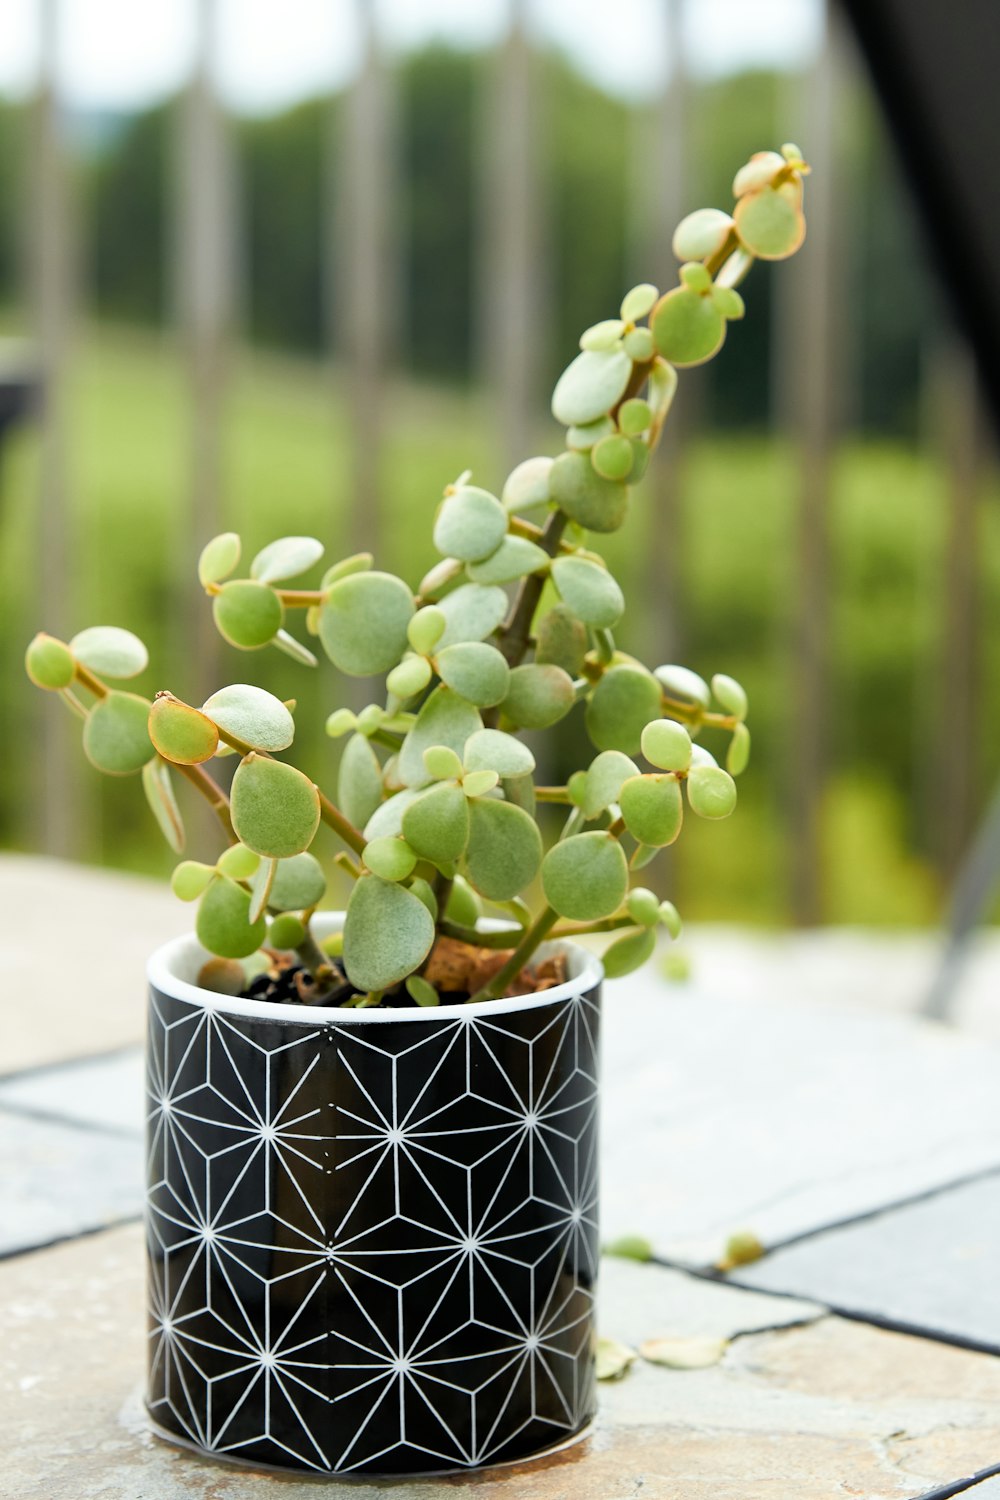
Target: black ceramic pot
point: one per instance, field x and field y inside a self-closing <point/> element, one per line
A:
<point x="372" y="1235"/>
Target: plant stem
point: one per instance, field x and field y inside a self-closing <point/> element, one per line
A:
<point x="477" y="939"/>
<point x="581" y="929"/>
<point x="300" y="598"/>
<point x="558" y="794"/>
<point x="532" y="939"/>
<point x="213" y="794"/>
<point x="515" y="632"/>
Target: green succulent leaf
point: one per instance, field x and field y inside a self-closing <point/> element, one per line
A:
<point x="116" y="735"/>
<point x="247" y="614"/>
<point x="464" y="906"/>
<point x="223" y="925"/>
<point x="388" y="933"/>
<point x="640" y="459"/>
<point x="683" y="685"/>
<point x="341" y="722"/>
<point x="604" y="335"/>
<point x="442" y="763"/>
<point x="388" y="819"/>
<point x="561" y="640"/>
<point x="638" y="345"/>
<point x="419" y="990"/>
<point x="251" y="715"/>
<point x="589" y="590"/>
<point x="594" y="383"/>
<point x="526" y="491"/>
<point x="363" y="622"/>
<point x="667" y="744"/>
<point x="504" y="851"/>
<point x="729" y="302"/>
<point x="636" y="416"/>
<point x="159" y="790"/>
<point x="286" y="932"/>
<point x="758" y="172"/>
<point x="585" y="877"/>
<point x="612" y="458"/>
<point x="730" y="694"/>
<point x="426" y="628"/>
<point x="110" y="651"/>
<point x="639" y="302"/>
<point x="478" y="783"/>
<point x="515" y="557"/>
<point x="670" y="918"/>
<point x="360" y="562"/>
<point x="594" y="502"/>
<point x="770" y="222"/>
<point x="180" y="733"/>
<point x="702" y="234"/>
<point x="49" y="663"/>
<point x="661" y="389"/>
<point x="643" y="906"/>
<point x="621" y="706"/>
<point x="471" y="523"/>
<point x="474" y="670"/>
<point x="738" y="754"/>
<point x="696" y="276"/>
<point x="275" y="809"/>
<point x="299" y="883"/>
<point x="286" y="558"/>
<point x="652" y="809"/>
<point x="190" y="878"/>
<point x="238" y="862"/>
<point x="425" y="893"/>
<point x="492" y="750"/>
<point x="261" y="886"/>
<point x="390" y="858"/>
<point x="218" y="558"/>
<point x="293" y="648"/>
<point x="711" y="792"/>
<point x="629" y="952"/>
<point x="687" y="327"/>
<point x="605" y="778"/>
<point x="410" y="677"/>
<point x="472" y="612"/>
<point x="538" y="696"/>
<point x="359" y="781"/>
<point x="445" y="719"/>
<point x="436" y="824"/>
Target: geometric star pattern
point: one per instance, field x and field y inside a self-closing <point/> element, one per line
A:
<point x="373" y="1248"/>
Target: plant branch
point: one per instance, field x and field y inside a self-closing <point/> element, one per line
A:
<point x="212" y="793"/>
<point x="532" y="939"/>
<point x="515" y="632"/>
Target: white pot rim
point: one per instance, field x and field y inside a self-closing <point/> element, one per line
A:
<point x="169" y="964"/>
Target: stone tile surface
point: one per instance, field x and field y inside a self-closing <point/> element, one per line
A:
<point x="932" y="1265"/>
<point x="61" y="1181"/>
<point x="779" y="1116"/>
<point x="108" y="1092"/>
<point x="988" y="1490"/>
<point x="816" y="1412"/>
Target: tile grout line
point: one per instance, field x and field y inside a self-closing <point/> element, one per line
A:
<point x="33" y="1070"/>
<point x="69" y="1122"/>
<point x="71" y="1239"/>
<point x="959" y="1486"/>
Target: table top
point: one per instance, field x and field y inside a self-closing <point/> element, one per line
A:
<point x="787" y="1089"/>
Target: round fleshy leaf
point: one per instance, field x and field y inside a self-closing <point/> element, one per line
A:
<point x="638" y="345"/>
<point x="223" y="925"/>
<point x="652" y="809"/>
<point x="445" y="719"/>
<point x="702" y="757"/>
<point x="585" y="877"/>
<point x="359" y="562"/>
<point x="425" y="630"/>
<point x="640" y="459"/>
<point x="711" y="792"/>
<point x="247" y="614"/>
<point x="561" y="640"/>
<point x="661" y="390"/>
<point x="526" y="492"/>
<point x="410" y="677"/>
<point x="464" y="906"/>
<point x="604" y="335"/>
<point x="770" y="223"/>
<point x="636" y="416"/>
<point x="421" y="991"/>
<point x="683" y="685"/>
<point x="731" y="694"/>
<point x="696" y="277"/>
<point x="260" y="887"/>
<point x="251" y="715"/>
<point x="492" y="750"/>
<point x="589" y="590"/>
<point x="478" y="783"/>
<point x="628" y="953"/>
<point x="286" y="932"/>
<point x="238" y="862"/>
<point x="702" y="234"/>
<point x="180" y="733"/>
<point x="612" y="1360"/>
<point x="538" y="696"/>
<point x="622" y="704"/>
<point x="612" y="458"/>
<point x="390" y="858"/>
<point x="116" y="735"/>
<point x="670" y="918"/>
<point x="388" y="933"/>
<point x="49" y="663"/>
<point x="363" y="622"/>
<point x="298" y="884"/>
<point x="293" y="648"/>
<point x="275" y="809"/>
<point x="442" y="763"/>
<point x="643" y="906"/>
<point x="341" y="722"/>
<point x="436" y="824"/>
<point x="515" y="557"/>
<point x="582" y="439"/>
<point x="642" y="855"/>
<point x="639" y="302"/>
<point x="738" y="754"/>
<point x="218" y="558"/>
<point x="471" y="612"/>
<point x="471" y="523"/>
<point x="286" y="558"/>
<point x="667" y="745"/>
<point x="389" y="817"/>
<point x="591" y="386"/>
<point x="757" y="172"/>
<point x="190" y="878"/>
<point x="359" y="781"/>
<point x="687" y="327"/>
<point x="605" y="778"/>
<point x="110" y="651"/>
<point x="425" y="893"/>
<point x="371" y="718"/>
<point x="474" y="670"/>
<point x="159" y="790"/>
<point x="505" y="849"/>
<point x="597" y="503"/>
<point x="729" y="302"/>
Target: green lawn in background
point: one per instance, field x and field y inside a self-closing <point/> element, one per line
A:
<point x="287" y="468"/>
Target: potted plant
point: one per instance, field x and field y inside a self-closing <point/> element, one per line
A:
<point x="372" y="1210"/>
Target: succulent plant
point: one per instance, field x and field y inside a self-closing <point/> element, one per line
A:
<point x="435" y="806"/>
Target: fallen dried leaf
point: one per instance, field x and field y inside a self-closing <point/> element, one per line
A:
<point x="613" y="1359"/>
<point x="684" y="1354"/>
